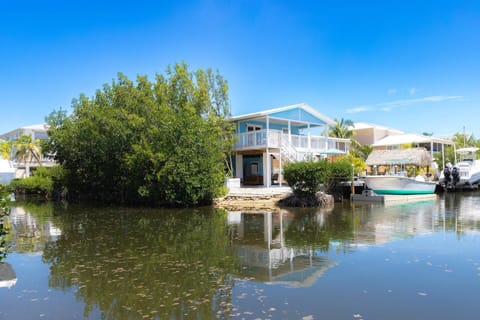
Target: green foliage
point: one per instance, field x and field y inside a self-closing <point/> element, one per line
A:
<point x="5" y="149"/>
<point x="4" y="200"/>
<point x="4" y="211"/>
<point x="359" y="151"/>
<point x="305" y="178"/>
<point x="33" y="185"/>
<point x="342" y="129"/>
<point x="161" y="142"/>
<point x="46" y="182"/>
<point x="177" y="257"/>
<point x="27" y="149"/>
<point x="341" y="169"/>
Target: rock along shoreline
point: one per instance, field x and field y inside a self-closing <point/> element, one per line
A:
<point x="269" y="199"/>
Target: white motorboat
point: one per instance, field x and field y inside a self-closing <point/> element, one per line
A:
<point x="396" y="180"/>
<point x="400" y="185"/>
<point x="465" y="173"/>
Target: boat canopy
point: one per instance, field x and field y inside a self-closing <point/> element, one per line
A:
<point x="470" y="150"/>
<point x="412" y="156"/>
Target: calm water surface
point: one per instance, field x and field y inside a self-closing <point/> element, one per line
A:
<point x="403" y="261"/>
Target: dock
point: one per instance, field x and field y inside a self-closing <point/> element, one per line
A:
<point x="370" y="197"/>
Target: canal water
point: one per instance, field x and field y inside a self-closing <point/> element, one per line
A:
<point x="396" y="261"/>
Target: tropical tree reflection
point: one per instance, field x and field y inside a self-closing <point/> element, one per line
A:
<point x="148" y="264"/>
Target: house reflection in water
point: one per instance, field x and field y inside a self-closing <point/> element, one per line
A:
<point x="30" y="234"/>
<point x="259" y="244"/>
<point x="8" y="278"/>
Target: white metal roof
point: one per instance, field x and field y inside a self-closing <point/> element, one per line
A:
<point x="400" y="139"/>
<point x="42" y="127"/>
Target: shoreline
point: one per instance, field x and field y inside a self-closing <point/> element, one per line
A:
<point x="253" y="198"/>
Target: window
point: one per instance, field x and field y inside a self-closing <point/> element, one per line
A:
<point x="252" y="127"/>
<point x="253" y="169"/>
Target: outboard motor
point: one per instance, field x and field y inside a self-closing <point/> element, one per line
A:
<point x="447" y="174"/>
<point x="455" y="175"/>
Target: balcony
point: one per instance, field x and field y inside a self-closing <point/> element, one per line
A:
<point x="262" y="139"/>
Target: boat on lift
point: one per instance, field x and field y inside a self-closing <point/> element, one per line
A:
<point x="463" y="174"/>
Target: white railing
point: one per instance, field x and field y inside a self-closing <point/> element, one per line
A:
<point x="256" y="139"/>
<point x="276" y="139"/>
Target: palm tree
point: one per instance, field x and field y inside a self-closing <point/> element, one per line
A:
<point x="5" y="149"/>
<point x="360" y="151"/>
<point x="342" y="129"/>
<point x="27" y="150"/>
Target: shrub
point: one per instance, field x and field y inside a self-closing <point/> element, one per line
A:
<point x="341" y="169"/>
<point x="35" y="185"/>
<point x="305" y="178"/>
<point x="45" y="182"/>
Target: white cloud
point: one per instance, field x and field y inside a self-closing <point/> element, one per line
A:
<point x="390" y="105"/>
<point x="412" y="91"/>
<point x="392" y="91"/>
<point x="408" y="102"/>
<point x="360" y="109"/>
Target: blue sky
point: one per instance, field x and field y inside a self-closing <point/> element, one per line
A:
<point x="410" y="65"/>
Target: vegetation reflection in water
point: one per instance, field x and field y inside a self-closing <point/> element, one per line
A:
<point x="140" y="264"/>
<point x="204" y="264"/>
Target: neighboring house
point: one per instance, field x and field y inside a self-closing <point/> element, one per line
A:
<point x="383" y="138"/>
<point x="368" y="134"/>
<point x="266" y="140"/>
<point x="432" y="144"/>
<point x="38" y="131"/>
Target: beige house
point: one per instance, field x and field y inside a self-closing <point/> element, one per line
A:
<point x="384" y="138"/>
<point x="368" y="134"/>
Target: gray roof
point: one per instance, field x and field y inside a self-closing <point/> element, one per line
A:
<point x="414" y="156"/>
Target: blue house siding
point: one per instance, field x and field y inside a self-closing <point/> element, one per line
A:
<point x="253" y="169"/>
<point x="297" y="115"/>
<point x="274" y="126"/>
<point x="244" y="125"/>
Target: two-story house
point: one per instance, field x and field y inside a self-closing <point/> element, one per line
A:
<point x="266" y="140"/>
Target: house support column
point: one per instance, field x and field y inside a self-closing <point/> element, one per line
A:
<point x="431" y="149"/>
<point x="326" y="137"/>
<point x="268" y="168"/>
<point x="267" y="164"/>
<point x="239" y="166"/>
<point x="289" y="132"/>
<point x="280" y="172"/>
<point x="309" y="138"/>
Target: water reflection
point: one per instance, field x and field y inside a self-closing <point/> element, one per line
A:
<point x="194" y="264"/>
<point x="31" y="232"/>
<point x="260" y="245"/>
<point x="8" y="278"/>
<point x="132" y="263"/>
